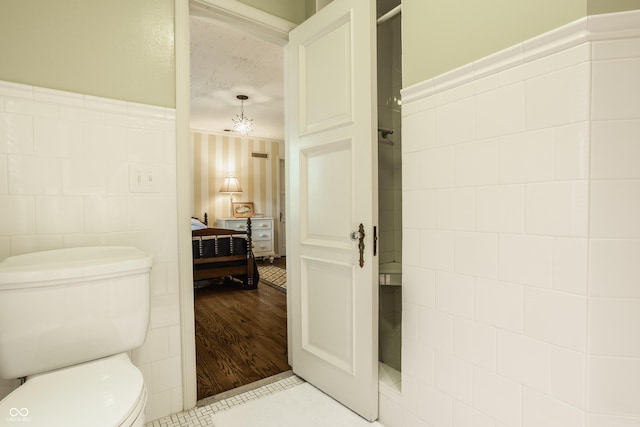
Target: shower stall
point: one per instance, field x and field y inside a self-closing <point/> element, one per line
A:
<point x="389" y="185"/>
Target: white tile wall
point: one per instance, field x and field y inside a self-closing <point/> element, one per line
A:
<point x="530" y="179"/>
<point x="64" y="181"/>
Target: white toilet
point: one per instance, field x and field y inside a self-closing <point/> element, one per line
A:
<point x="67" y="319"/>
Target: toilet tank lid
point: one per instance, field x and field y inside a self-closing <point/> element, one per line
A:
<point x="51" y="267"/>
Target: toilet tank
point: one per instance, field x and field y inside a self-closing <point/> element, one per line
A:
<point x="68" y="306"/>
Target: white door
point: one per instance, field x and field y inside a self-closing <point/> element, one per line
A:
<point x="332" y="189"/>
<point x="282" y="227"/>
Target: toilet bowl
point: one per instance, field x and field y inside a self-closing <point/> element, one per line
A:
<point x="106" y="392"/>
<point x="67" y="319"/>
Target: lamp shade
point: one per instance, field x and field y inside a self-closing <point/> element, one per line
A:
<point x="231" y="185"/>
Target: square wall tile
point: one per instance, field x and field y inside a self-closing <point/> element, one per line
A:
<point x="167" y="374"/>
<point x="571" y="152"/>
<point x="105" y="142"/>
<point x="527" y="157"/>
<point x="526" y="259"/>
<point x="615" y="209"/>
<point x="454" y="294"/>
<point x="542" y="410"/>
<point x="523" y="359"/>
<point x="567" y="380"/>
<point x="16" y="133"/>
<point x="145" y="145"/>
<point x="616" y="89"/>
<point x="154" y="348"/>
<point x="556" y="318"/>
<point x="477" y="163"/>
<point x="455" y="209"/>
<point x="613" y="386"/>
<point x="436" y="407"/>
<point x="17" y="215"/>
<point x="418" y="286"/>
<point x="419" y="209"/>
<point x="437" y="168"/>
<point x="411" y="247"/>
<point x="570" y="260"/>
<point x="501" y="111"/>
<point x="500" y="304"/>
<point x="559" y="98"/>
<point x="466" y="416"/>
<point x="557" y="208"/>
<point x="614" y="268"/>
<point x="411" y="169"/>
<point x="500" y="208"/>
<point x="454" y="376"/>
<point x="498" y="397"/>
<point x="435" y="329"/>
<point x="4" y="174"/>
<point x="418" y="362"/>
<point x="615" y="148"/>
<point x="476" y="254"/>
<point x="436" y="250"/>
<point x="612" y="323"/>
<point x="59" y="215"/>
<point x="419" y="131"/>
<point x="595" y="420"/>
<point x="34" y="175"/>
<point x="475" y="343"/>
<point x="455" y="122"/>
<point x="57" y="138"/>
<point x="84" y="176"/>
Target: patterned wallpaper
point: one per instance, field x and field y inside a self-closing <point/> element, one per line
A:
<point x="254" y="161"/>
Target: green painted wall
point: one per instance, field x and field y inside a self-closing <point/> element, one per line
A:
<point x="291" y="10"/>
<point x="119" y="49"/>
<point x="440" y="35"/>
<point x="596" y="7"/>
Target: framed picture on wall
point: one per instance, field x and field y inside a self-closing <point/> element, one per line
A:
<point x="242" y="209"/>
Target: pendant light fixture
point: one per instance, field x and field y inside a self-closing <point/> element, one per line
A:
<point x="241" y="123"/>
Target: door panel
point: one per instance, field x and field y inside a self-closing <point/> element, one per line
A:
<point x="326" y="75"/>
<point x="331" y="190"/>
<point x="328" y="337"/>
<point x="325" y="172"/>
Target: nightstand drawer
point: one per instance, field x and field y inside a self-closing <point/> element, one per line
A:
<point x="262" y="247"/>
<point x="261" y="224"/>
<point x="262" y="235"/>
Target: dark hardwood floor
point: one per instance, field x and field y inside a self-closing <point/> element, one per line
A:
<point x="241" y="336"/>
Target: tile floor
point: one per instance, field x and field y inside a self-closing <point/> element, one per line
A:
<point x="201" y="416"/>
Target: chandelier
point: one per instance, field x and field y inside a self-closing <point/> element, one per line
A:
<point x="241" y="123"/>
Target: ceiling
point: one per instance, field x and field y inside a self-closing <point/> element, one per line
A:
<point x="226" y="62"/>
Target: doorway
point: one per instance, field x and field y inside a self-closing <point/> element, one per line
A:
<point x="240" y="334"/>
<point x="274" y="29"/>
<point x="389" y="142"/>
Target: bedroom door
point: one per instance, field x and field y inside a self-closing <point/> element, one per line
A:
<point x="332" y="203"/>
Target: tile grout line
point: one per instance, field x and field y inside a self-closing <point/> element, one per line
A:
<point x="201" y="416"/>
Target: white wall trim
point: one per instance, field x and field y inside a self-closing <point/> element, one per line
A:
<point x="597" y="27"/>
<point x="89" y="102"/>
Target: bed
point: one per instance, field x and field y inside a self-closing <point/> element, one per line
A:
<point x="222" y="253"/>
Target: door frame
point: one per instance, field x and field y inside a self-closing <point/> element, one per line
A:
<point x="256" y="22"/>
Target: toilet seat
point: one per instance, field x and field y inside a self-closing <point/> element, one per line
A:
<point x="107" y="392"/>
